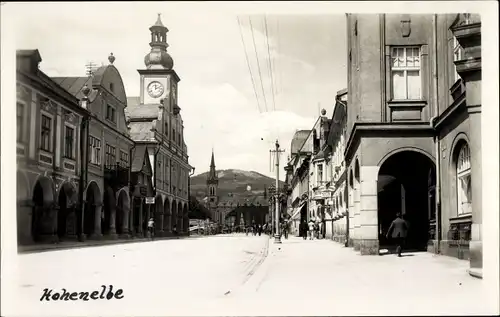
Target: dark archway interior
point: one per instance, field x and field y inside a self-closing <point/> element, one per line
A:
<point x="137" y="208"/>
<point x="303" y="213"/>
<point x="145" y="218"/>
<point x="404" y="187"/>
<point x="108" y="205"/>
<point x="89" y="215"/>
<point x="36" y="220"/>
<point x="62" y="215"/>
<point x="166" y="216"/>
<point x="120" y="213"/>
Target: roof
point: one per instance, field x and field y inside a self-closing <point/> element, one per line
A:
<point x="298" y="140"/>
<point x="138" y="161"/>
<point x="74" y="85"/>
<point x="133" y="101"/>
<point x="141" y="131"/>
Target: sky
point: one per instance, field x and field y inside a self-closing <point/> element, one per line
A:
<point x="307" y="54"/>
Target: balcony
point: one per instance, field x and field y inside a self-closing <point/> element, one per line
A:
<point x="116" y="175"/>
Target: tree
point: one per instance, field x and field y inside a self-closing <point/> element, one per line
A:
<point x="197" y="210"/>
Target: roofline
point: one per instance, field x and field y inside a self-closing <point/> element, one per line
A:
<point x="159" y="71"/>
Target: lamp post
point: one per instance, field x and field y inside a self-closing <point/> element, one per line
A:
<point x="277" y="151"/>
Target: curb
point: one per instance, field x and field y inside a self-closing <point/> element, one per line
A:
<point x="102" y="243"/>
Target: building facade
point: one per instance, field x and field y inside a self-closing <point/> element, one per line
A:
<point x="337" y="182"/>
<point x="50" y="127"/>
<point x="297" y="170"/>
<point x="414" y="96"/>
<point x="157" y="128"/>
<point x="108" y="151"/>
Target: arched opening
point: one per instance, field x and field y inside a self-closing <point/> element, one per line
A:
<point x="66" y="216"/>
<point x="109" y="209"/>
<point x="403" y="187"/>
<point x="167" y="216"/>
<point x="179" y="218"/>
<point x="174" y="217"/>
<point x="43" y="200"/>
<point x="24" y="212"/>
<point x="158" y="215"/>
<point x="93" y="203"/>
<point x="122" y="212"/>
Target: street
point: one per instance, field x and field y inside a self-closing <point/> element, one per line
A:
<point x="238" y="274"/>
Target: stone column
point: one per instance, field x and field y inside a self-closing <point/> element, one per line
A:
<point x="131" y="223"/>
<point x="357" y="214"/>
<point x="125" y="224"/>
<point x="351" y="217"/>
<point x="97" y="222"/>
<point x="112" y="224"/>
<point x="368" y="237"/>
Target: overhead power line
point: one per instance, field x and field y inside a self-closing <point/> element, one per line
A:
<point x="270" y="63"/>
<point x="248" y="64"/>
<point x="258" y="64"/>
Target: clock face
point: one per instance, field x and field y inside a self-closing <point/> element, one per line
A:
<point x="155" y="89"/>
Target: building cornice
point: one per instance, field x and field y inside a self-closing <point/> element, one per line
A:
<point x="384" y="129"/>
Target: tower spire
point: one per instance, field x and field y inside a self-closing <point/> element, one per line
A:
<point x="212" y="174"/>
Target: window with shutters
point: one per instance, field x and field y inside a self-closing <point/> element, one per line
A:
<point x="46" y="133"/>
<point x="94" y="150"/>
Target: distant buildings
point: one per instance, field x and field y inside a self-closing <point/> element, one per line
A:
<point x="408" y="141"/>
<point x="94" y="164"/>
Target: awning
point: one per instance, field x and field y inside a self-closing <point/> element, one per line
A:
<point x="296" y="211"/>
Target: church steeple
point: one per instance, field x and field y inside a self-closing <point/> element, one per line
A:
<point x="212" y="174"/>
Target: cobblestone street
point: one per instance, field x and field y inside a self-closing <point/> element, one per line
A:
<point x="231" y="274"/>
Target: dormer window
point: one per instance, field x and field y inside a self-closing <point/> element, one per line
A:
<point x="110" y="113"/>
<point x="111" y="87"/>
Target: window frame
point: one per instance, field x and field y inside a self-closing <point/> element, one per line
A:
<point x="20" y="135"/>
<point x="109" y="154"/>
<point x="110" y="113"/>
<point x="122" y="155"/>
<point x="95" y="151"/>
<point x="405" y="69"/>
<point x="463" y="173"/>
<point x="51" y="131"/>
<point x="457" y="50"/>
<point x="73" y="141"/>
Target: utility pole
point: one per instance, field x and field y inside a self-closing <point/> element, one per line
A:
<point x="277" y="151"/>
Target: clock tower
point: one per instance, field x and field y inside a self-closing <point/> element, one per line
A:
<point x="159" y="80"/>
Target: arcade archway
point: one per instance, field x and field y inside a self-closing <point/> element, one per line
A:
<point x="122" y="212"/>
<point x="185" y="219"/>
<point x="158" y="215"/>
<point x="403" y="186"/>
<point x="66" y="216"/>
<point x="24" y="212"/>
<point x="167" y="217"/>
<point x="173" y="218"/>
<point x="93" y="205"/>
<point x="43" y="201"/>
<point x="179" y="218"/>
<point x="109" y="211"/>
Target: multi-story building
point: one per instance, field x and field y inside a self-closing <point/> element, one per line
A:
<point x="108" y="152"/>
<point x="337" y="184"/>
<point x="414" y="94"/>
<point x="157" y="128"/>
<point x="297" y="170"/>
<point x="319" y="171"/>
<point x="51" y="126"/>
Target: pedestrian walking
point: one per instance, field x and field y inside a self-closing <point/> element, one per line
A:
<point x="398" y="231"/>
<point x="316" y="229"/>
<point x="284" y="229"/>
<point x="260" y="230"/>
<point x="310" y="232"/>
<point x="151" y="224"/>
<point x="303" y="229"/>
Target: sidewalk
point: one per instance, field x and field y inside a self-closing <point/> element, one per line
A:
<point x="322" y="277"/>
<point x="25" y="249"/>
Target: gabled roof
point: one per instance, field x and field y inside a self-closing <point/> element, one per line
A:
<point x="150" y="111"/>
<point x="74" y="85"/>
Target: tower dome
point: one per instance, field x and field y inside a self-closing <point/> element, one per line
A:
<point x="158" y="57"/>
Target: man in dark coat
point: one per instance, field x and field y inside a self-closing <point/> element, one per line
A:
<point x="303" y="229"/>
<point x="398" y="231"/>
